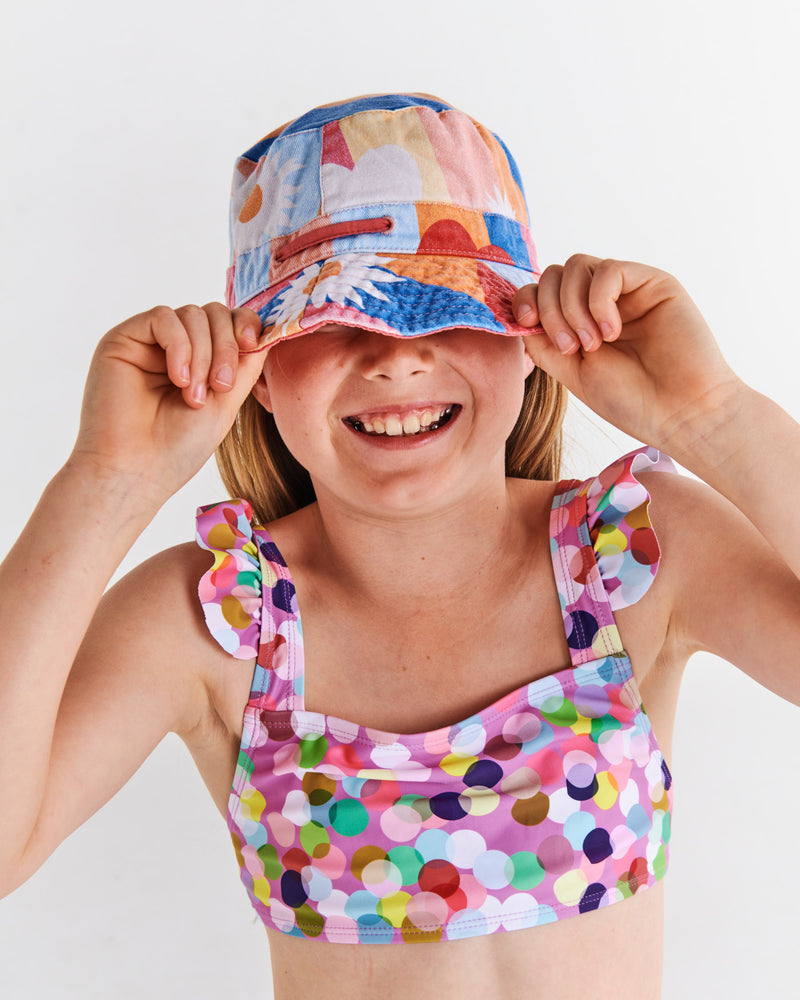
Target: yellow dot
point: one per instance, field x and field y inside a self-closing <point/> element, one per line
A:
<point x="457" y="766"/>
<point x="233" y="612"/>
<point x="607" y="790"/>
<point x="606" y="640"/>
<point x="582" y="726"/>
<point x="261" y="889"/>
<point x="612" y="539"/>
<point x="479" y="801"/>
<point x="222" y="536"/>
<point x="393" y="908"/>
<point x="253" y="803"/>
<point x="570" y="887"/>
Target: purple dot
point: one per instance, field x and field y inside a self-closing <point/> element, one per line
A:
<point x="483" y="772"/>
<point x="446" y="805"/>
<point x="584" y="629"/>
<point x="556" y="855"/>
<point x="597" y="845"/>
<point x="292" y="891"/>
<point x="592" y="897"/>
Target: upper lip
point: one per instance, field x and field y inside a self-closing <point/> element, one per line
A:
<point x="400" y="409"/>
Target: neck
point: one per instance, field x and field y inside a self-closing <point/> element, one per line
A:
<point x="443" y="551"/>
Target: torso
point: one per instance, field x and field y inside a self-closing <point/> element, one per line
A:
<point x="444" y="663"/>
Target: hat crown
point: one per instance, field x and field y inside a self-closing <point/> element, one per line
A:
<point x="445" y="183"/>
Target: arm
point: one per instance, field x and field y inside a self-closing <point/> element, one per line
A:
<point x="141" y="438"/>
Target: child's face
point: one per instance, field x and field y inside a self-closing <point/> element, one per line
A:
<point x="393" y="424"/>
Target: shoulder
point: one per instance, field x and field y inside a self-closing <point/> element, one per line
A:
<point x="158" y="598"/>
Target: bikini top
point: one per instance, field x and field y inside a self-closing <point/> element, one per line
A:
<point x="553" y="801"/>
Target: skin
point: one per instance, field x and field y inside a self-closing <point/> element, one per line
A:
<point x="158" y="401"/>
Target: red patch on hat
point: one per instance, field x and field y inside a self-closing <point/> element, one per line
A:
<point x="334" y="146"/>
<point x="446" y="236"/>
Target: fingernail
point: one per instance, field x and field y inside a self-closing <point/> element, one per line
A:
<point x="564" y="342"/>
<point x="225" y="375"/>
<point x="607" y="330"/>
<point x="185" y="374"/>
<point x="199" y="392"/>
<point x="585" y="338"/>
<point x="250" y="336"/>
<point x="523" y="311"/>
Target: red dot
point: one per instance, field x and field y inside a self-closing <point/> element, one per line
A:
<point x="440" y="877"/>
<point x="295" y="860"/>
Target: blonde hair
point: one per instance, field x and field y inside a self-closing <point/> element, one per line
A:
<point x="255" y="464"/>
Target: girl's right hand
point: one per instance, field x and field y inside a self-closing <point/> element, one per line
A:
<point x="163" y="390"/>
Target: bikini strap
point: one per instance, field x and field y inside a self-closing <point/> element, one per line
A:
<point x="604" y="549"/>
<point x="249" y="603"/>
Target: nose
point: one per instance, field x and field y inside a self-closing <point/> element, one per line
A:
<point x="396" y="358"/>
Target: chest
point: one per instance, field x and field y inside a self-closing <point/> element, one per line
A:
<point x="426" y="660"/>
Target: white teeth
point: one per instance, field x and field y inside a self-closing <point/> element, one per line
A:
<point x="393" y="427"/>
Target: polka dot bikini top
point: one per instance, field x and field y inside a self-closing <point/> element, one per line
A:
<point x="552" y="801"/>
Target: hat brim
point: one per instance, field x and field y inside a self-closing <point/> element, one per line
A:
<point x="399" y="295"/>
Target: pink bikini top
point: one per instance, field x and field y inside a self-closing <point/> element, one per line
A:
<point x="552" y="801"/>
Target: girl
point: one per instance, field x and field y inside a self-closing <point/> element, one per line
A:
<point x="466" y="763"/>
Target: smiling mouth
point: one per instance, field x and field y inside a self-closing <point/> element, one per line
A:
<point x="408" y="425"/>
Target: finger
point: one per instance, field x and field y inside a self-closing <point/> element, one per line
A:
<point x="246" y="328"/>
<point x="561" y="335"/>
<point x="574" y="292"/>
<point x="196" y="323"/>
<point x="224" y="347"/>
<point x="607" y="286"/>
<point x="524" y="307"/>
<point x="163" y="328"/>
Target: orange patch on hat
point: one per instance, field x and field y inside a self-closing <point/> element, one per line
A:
<point x="252" y="206"/>
<point x="458" y="273"/>
<point x="431" y="217"/>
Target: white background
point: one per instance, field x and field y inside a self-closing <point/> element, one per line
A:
<point x="663" y="132"/>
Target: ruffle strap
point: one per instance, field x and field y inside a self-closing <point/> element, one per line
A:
<point x="230" y="591"/>
<point x="623" y="539"/>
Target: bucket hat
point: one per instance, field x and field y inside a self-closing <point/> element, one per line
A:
<point x="395" y="213"/>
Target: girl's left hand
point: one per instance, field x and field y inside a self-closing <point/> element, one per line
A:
<point x="628" y="341"/>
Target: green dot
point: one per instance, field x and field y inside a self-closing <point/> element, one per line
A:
<point x="605" y="724"/>
<point x="312" y="749"/>
<point x="269" y="859"/>
<point x="660" y="863"/>
<point x="245" y="763"/>
<point x="312" y="836"/>
<point x="309" y="921"/>
<point x="523" y="870"/>
<point x="248" y="578"/>
<point x="624" y="888"/>
<point x="666" y="828"/>
<point x="559" y="712"/>
<point x="349" y="817"/>
<point x="408" y="862"/>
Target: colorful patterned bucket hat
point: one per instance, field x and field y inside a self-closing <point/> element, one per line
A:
<point x="395" y="213"/>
